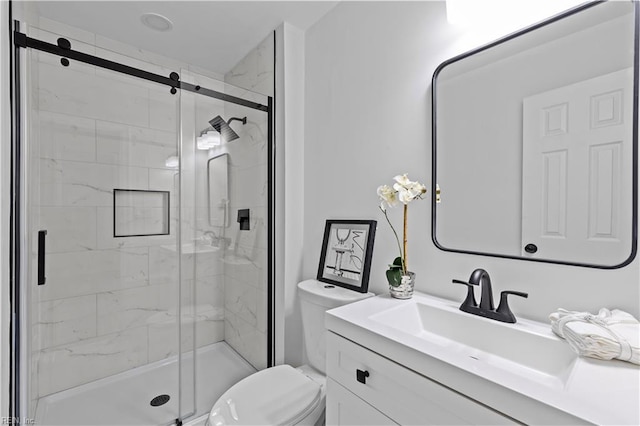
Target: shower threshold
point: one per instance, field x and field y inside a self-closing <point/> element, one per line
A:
<point x="124" y="399"/>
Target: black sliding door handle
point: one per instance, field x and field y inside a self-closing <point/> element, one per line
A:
<point x="41" y="256"/>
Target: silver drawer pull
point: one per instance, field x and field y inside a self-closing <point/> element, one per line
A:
<point x="361" y="376"/>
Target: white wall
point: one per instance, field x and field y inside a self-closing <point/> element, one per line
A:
<point x="289" y="189"/>
<point x="368" y="117"/>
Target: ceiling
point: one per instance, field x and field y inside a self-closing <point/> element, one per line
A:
<point x="214" y="35"/>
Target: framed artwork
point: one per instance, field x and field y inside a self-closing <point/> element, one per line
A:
<point x="345" y="259"/>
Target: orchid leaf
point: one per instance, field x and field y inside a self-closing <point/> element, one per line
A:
<point x="394" y="276"/>
<point x="397" y="263"/>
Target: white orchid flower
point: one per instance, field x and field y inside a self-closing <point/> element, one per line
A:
<point x="387" y="195"/>
<point x="405" y="191"/>
<point x="408" y="190"/>
<point x="402" y="179"/>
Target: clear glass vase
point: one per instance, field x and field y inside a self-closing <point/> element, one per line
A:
<point x="405" y="289"/>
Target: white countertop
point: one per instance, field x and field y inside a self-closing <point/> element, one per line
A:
<point x="587" y="390"/>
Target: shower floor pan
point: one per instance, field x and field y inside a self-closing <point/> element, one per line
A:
<point x="124" y="399"/>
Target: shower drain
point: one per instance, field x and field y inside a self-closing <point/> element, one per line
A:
<point x="160" y="400"/>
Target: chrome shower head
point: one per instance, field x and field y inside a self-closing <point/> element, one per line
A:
<point x="224" y="129"/>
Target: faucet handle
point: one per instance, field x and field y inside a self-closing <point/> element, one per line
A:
<point x="503" y="307"/>
<point x="470" y="299"/>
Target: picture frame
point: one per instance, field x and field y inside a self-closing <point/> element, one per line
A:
<point x="345" y="259"/>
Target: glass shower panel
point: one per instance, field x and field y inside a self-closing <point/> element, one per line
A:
<point x="225" y="199"/>
<point x="103" y="190"/>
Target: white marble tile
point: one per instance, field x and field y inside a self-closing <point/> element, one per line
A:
<point x="69" y="228"/>
<point x="265" y="62"/>
<point x="66" y="137"/>
<point x="208" y="332"/>
<point x="248" y="187"/>
<point x="134" y="146"/>
<point x="141" y="221"/>
<point x="65" y="30"/>
<point x="204" y="77"/>
<point x="164" y="266"/>
<point x="244" y="73"/>
<point x="258" y="353"/>
<point x="261" y="311"/>
<point x="130" y="308"/>
<point x="73" y="183"/>
<point x="106" y="240"/>
<point x="73" y="92"/>
<point x="237" y="333"/>
<point x="241" y="299"/>
<point x="210" y="290"/>
<point x="159" y="63"/>
<point x="251" y="147"/>
<point x="63" y="321"/>
<point x="71" y="365"/>
<point x="208" y="328"/>
<point x="264" y="85"/>
<point x="244" y="338"/>
<point x="163" y="341"/>
<point x="256" y="236"/>
<point x="164" y="180"/>
<point x="89" y="272"/>
<point x="164" y="110"/>
<point x="250" y="272"/>
<point x="255" y="71"/>
<point x="207" y="264"/>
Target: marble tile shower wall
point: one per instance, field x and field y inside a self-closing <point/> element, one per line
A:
<point x="246" y="273"/>
<point x="109" y="304"/>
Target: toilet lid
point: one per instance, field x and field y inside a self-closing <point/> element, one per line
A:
<point x="279" y="395"/>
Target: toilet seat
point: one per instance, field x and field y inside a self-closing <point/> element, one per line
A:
<point x="279" y="395"/>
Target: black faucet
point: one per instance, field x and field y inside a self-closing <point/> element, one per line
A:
<point x="503" y="313"/>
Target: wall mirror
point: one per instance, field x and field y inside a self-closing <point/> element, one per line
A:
<point x="535" y="142"/>
<point x="218" y="182"/>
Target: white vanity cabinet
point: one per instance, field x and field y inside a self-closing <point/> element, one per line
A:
<point x="364" y="387"/>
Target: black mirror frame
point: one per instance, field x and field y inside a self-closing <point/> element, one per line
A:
<point x="634" y="226"/>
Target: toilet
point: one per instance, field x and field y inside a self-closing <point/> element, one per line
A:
<point x="284" y="395"/>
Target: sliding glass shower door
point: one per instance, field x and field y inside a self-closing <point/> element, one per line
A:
<point x="146" y="224"/>
<point x="105" y="295"/>
<point x="225" y="164"/>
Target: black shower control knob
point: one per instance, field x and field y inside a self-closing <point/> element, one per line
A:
<point x="531" y="248"/>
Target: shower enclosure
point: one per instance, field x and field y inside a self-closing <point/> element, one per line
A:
<point x="146" y="281"/>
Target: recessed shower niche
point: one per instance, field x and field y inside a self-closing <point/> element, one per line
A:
<point x="140" y="212"/>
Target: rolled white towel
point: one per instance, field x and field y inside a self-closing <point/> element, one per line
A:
<point x="608" y="335"/>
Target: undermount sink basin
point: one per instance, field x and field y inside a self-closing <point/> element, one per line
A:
<point x="526" y="347"/>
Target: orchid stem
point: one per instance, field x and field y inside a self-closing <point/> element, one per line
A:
<point x="404" y="241"/>
<point x="404" y="269"/>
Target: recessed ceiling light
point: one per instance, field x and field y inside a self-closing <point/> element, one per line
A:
<point x="156" y="22"/>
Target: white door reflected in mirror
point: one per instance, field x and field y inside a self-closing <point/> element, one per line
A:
<point x="574" y="177"/>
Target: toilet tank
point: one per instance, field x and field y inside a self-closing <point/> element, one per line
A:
<point x="315" y="298"/>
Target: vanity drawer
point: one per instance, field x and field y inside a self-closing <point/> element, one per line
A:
<point x="401" y="394"/>
<point x="345" y="408"/>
